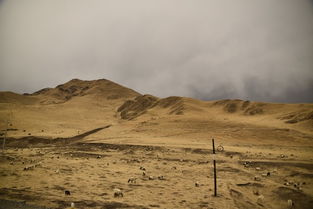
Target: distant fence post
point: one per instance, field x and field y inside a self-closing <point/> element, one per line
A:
<point x="214" y="168"/>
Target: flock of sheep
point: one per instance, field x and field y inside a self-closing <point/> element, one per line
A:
<point x="117" y="192"/>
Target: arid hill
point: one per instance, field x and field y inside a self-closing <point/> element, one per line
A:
<point x="93" y="137"/>
<point x="102" y="88"/>
<point x="78" y="106"/>
<point x="64" y="110"/>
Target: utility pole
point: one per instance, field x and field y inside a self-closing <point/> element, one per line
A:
<point x="214" y="169"/>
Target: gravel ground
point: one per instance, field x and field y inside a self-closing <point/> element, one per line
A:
<point x="10" y="204"/>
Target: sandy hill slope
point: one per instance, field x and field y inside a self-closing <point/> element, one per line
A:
<point x="78" y="106"/>
<point x="13" y="98"/>
<point x="65" y="110"/>
<point x="102" y="88"/>
<point x="170" y="105"/>
<point x="287" y="113"/>
<point x="179" y="120"/>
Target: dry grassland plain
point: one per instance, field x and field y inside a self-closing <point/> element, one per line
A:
<point x="81" y="141"/>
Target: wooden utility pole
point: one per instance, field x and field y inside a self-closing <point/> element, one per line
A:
<point x="214" y="168"/>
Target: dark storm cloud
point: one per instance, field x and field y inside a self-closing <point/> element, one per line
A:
<point x="248" y="49"/>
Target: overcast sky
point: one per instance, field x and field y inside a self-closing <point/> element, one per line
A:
<point x="207" y="49"/>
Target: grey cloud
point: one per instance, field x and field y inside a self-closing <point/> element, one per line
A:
<point x="251" y="49"/>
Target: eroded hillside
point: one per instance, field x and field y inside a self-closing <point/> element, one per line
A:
<point x="79" y="106"/>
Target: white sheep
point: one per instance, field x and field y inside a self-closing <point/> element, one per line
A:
<point x="197" y="184"/>
<point x="290" y="203"/>
<point x="132" y="180"/>
<point x="118" y="193"/>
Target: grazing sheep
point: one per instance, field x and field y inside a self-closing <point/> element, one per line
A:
<point x="290" y="203"/>
<point x="161" y="177"/>
<point x="256" y="178"/>
<point x="99" y="156"/>
<point x="132" y="180"/>
<point x="37" y="165"/>
<point x="151" y="178"/>
<point x="287" y="183"/>
<point x="29" y="168"/>
<point x="297" y="186"/>
<point x="72" y="205"/>
<point x="118" y="193"/>
<point x="246" y="164"/>
<point x="142" y="168"/>
<point x="144" y="173"/>
<point x="197" y="184"/>
<point x="67" y="192"/>
<point x="256" y="192"/>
